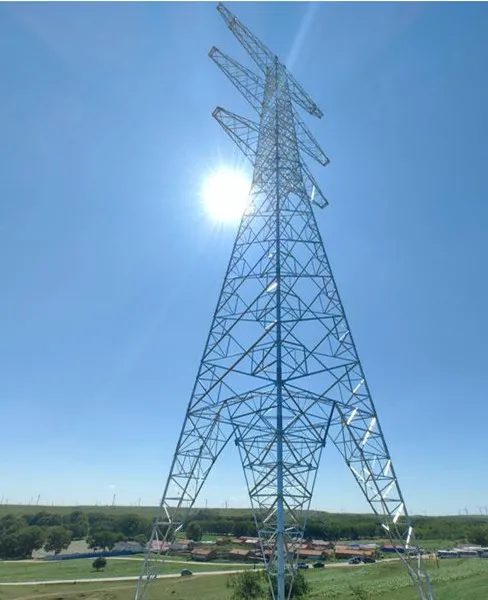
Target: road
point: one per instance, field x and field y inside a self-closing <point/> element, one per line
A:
<point x="108" y="579"/>
<point x="136" y="577"/>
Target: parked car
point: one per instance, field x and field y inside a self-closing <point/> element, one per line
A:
<point x="368" y="559"/>
<point x="318" y="565"/>
<point x="186" y="572"/>
<point x="355" y="560"/>
<point x="302" y="565"/>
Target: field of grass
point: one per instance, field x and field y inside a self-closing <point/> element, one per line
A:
<point x="452" y="580"/>
<point x="26" y="509"/>
<point x="458" y="580"/>
<point x="151" y="511"/>
<point x="82" y="569"/>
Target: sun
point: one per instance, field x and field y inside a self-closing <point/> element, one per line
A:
<point x="225" y="194"/>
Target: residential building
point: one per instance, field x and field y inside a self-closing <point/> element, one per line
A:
<point x="182" y="545"/>
<point x="239" y="554"/>
<point x="348" y="552"/>
<point x="128" y="546"/>
<point x="312" y="554"/>
<point x="203" y="554"/>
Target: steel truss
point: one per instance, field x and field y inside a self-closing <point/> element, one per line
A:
<point x="280" y="373"/>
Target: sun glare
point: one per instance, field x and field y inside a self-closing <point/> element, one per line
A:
<point x="226" y="194"/>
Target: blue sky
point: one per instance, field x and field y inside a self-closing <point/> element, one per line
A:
<point x="111" y="269"/>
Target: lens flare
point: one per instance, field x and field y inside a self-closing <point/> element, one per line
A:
<point x="225" y="194"/>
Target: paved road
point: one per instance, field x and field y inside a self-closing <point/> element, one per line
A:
<point x="108" y="579"/>
<point x="136" y="577"/>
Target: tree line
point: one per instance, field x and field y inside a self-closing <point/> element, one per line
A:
<point x="21" y="535"/>
<point x="333" y="527"/>
<point x="54" y="532"/>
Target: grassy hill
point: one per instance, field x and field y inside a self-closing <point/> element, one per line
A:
<point x="452" y="580"/>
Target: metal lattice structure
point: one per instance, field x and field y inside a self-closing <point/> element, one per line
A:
<point x="280" y="374"/>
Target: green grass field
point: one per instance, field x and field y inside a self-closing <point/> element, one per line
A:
<point x="452" y="580"/>
<point x="26" y="509"/>
<point x="151" y="511"/>
<point x="82" y="569"/>
<point x="143" y="511"/>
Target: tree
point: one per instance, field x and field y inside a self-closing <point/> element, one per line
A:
<point x="299" y="586"/>
<point x="141" y="539"/>
<point x="30" y="539"/>
<point x="194" y="531"/>
<point x="248" y="585"/>
<point x="479" y="536"/>
<point x="244" y="528"/>
<point x="102" y="538"/>
<point x="44" y="518"/>
<point x="9" y="546"/>
<point x="99" y="563"/>
<point x="11" y="524"/>
<point x="58" y="538"/>
<point x="131" y="525"/>
<point x="100" y="520"/>
<point x="20" y="544"/>
<point x="77" y="523"/>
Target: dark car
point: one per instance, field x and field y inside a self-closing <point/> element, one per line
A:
<point x="355" y="560"/>
<point x="369" y="559"/>
<point x="186" y="572"/>
<point x="302" y="565"/>
<point x="318" y="565"/>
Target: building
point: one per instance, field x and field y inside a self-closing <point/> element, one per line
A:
<point x="206" y="543"/>
<point x="157" y="546"/>
<point x="258" y="555"/>
<point x="203" y="554"/>
<point x="316" y="544"/>
<point x="447" y="554"/>
<point x="468" y="551"/>
<point x="464" y="552"/>
<point x="239" y="554"/>
<point x="392" y="549"/>
<point x="247" y="541"/>
<point x="128" y="546"/>
<point x="311" y="554"/>
<point x="349" y="552"/>
<point x="182" y="545"/>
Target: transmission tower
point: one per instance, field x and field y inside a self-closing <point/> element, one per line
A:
<point x="280" y="374"/>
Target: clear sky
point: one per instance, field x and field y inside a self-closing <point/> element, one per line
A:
<point x="110" y="268"/>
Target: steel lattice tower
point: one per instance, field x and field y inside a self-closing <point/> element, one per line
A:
<point x="280" y="374"/>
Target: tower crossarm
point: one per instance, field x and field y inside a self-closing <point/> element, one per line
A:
<point x="248" y="83"/>
<point x="307" y="142"/>
<point x="265" y="59"/>
<point x="243" y="132"/>
<point x="312" y="189"/>
<point x="258" y="51"/>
